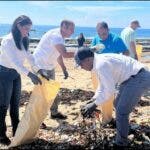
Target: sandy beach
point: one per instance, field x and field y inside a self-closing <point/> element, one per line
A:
<point x="79" y="80"/>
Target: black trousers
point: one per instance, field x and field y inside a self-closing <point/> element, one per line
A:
<point x="10" y="91"/>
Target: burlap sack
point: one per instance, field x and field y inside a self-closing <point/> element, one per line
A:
<point x="40" y="101"/>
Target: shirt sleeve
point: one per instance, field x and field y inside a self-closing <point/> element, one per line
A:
<point x="10" y="52"/>
<point x="57" y="40"/>
<point x="120" y="45"/>
<point x="132" y="36"/>
<point x="31" y="60"/>
<point x="106" y="88"/>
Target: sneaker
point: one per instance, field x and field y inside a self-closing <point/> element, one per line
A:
<point x="58" y="116"/>
<point x="4" y="140"/>
<point x="43" y="126"/>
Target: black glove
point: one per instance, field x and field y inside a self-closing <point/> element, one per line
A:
<point x="35" y="79"/>
<point x="44" y="73"/>
<point x="65" y="74"/>
<point x="88" y="110"/>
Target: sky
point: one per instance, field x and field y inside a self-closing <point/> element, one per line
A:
<point x="83" y="13"/>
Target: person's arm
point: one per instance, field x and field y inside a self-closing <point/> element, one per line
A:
<point x="121" y="47"/>
<point x="103" y="93"/>
<point x="84" y="42"/>
<point x="10" y="52"/>
<point x="62" y="50"/>
<point x="106" y="88"/>
<point x="63" y="67"/>
<point x="133" y="49"/>
<point x="61" y="63"/>
<point x="126" y="53"/>
<point x="31" y="61"/>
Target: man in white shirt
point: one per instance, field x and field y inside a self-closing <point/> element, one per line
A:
<point x="51" y="51"/>
<point x="128" y="36"/>
<point x="115" y="69"/>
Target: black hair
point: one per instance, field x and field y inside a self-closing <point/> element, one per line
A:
<point x="82" y="53"/>
<point x="21" y="20"/>
<point x="103" y="24"/>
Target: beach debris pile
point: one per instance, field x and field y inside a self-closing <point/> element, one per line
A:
<point x="89" y="133"/>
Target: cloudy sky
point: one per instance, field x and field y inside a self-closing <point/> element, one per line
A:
<point x="83" y="13"/>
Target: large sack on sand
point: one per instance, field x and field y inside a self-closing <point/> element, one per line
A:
<point x="40" y="101"/>
<point x="107" y="107"/>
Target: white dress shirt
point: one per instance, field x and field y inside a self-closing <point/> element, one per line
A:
<point x="46" y="54"/>
<point x="12" y="57"/>
<point x="112" y="69"/>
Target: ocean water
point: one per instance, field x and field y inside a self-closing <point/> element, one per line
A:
<point x="89" y="32"/>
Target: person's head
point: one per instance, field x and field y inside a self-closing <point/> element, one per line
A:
<point x="102" y="30"/>
<point x="20" y="31"/>
<point x="135" y="24"/>
<point x="84" y="58"/>
<point x="67" y="28"/>
<point x="81" y="35"/>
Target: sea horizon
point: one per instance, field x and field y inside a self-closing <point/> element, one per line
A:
<point x="89" y="32"/>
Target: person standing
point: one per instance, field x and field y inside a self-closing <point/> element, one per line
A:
<point x="49" y="52"/>
<point x="81" y="40"/>
<point x="14" y="51"/>
<point x="129" y="38"/>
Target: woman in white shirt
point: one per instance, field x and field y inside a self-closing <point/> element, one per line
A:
<point x="14" y="51"/>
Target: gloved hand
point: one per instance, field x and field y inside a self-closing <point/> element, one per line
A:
<point x="44" y="73"/>
<point x="88" y="109"/>
<point x="65" y="74"/>
<point x="34" y="78"/>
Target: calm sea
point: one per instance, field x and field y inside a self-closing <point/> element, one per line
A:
<point x="39" y="30"/>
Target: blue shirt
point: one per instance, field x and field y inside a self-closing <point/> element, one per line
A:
<point x="113" y="44"/>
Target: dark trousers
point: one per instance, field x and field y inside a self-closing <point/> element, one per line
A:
<point x="10" y="91"/>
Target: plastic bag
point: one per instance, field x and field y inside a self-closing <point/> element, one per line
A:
<point x="40" y="101"/>
<point x="107" y="107"/>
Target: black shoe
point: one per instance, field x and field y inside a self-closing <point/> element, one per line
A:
<point x="4" y="140"/>
<point x="58" y="116"/>
<point x="43" y="126"/>
<point x="111" y="124"/>
<point x="118" y="147"/>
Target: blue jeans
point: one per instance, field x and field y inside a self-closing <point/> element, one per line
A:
<point x="10" y="91"/>
<point x="129" y="95"/>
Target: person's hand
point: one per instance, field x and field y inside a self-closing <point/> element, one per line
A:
<point x="88" y="109"/>
<point x="136" y="57"/>
<point x="34" y="78"/>
<point x="44" y="73"/>
<point x="65" y="74"/>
